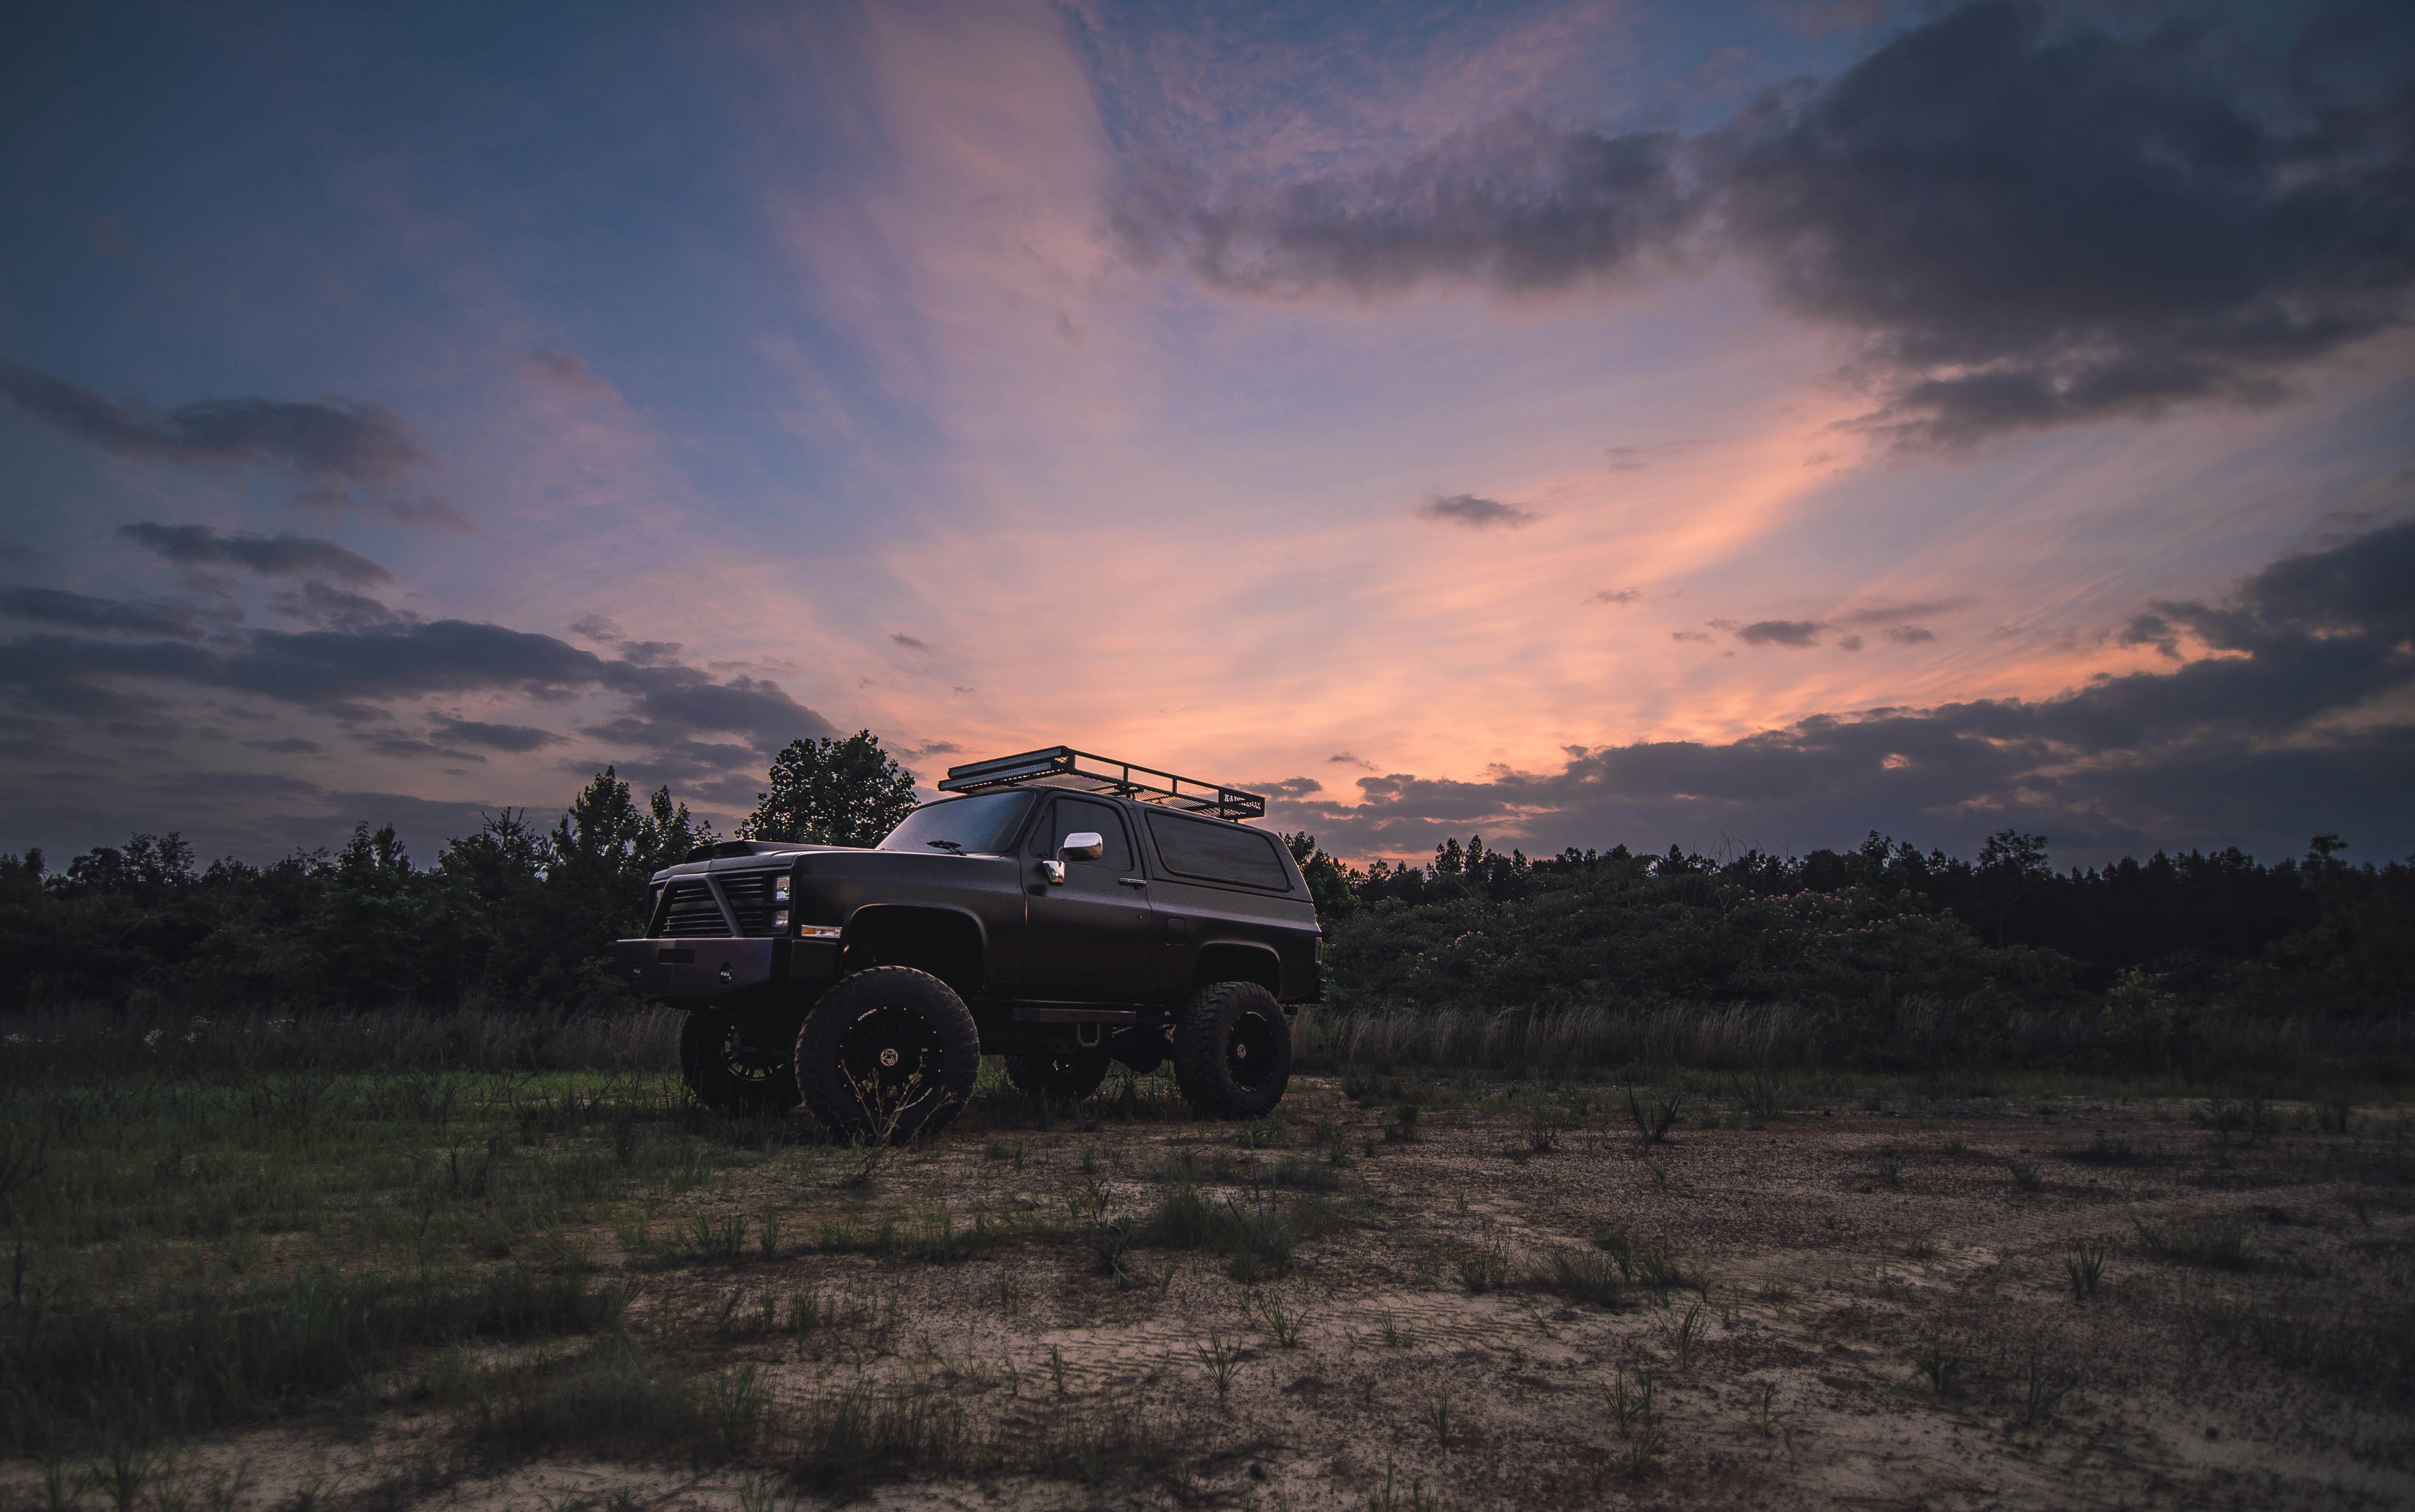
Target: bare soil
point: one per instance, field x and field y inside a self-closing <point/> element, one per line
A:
<point x="1867" y="1309"/>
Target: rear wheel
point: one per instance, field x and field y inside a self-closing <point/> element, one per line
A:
<point x="1232" y="1050"/>
<point x="1064" y="1076"/>
<point x="889" y="1054"/>
<point x="732" y="1070"/>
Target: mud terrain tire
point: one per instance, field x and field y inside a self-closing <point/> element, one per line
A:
<point x="1232" y="1050"/>
<point x="889" y="1052"/>
<point x="1067" y="1076"/>
<point x="729" y="1075"/>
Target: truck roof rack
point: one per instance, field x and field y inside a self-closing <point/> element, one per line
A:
<point x="1062" y="766"/>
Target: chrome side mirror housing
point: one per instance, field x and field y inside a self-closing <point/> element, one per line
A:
<point x="1081" y="845"/>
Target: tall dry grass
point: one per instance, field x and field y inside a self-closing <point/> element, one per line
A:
<point x="1916" y="1034"/>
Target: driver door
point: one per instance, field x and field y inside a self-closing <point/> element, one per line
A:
<point x="1088" y="938"/>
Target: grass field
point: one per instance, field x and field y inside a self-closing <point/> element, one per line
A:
<point x="371" y="1264"/>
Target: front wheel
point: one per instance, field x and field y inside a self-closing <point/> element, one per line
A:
<point x="890" y="1053"/>
<point x="734" y="1072"/>
<point x="1232" y="1050"/>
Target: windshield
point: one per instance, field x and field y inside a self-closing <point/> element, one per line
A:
<point x="984" y="822"/>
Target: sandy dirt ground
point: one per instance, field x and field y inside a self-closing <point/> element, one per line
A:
<point x="1848" y="1306"/>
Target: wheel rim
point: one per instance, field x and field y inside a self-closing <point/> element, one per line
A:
<point x="892" y="1057"/>
<point x="1249" y="1052"/>
<point x="742" y="1062"/>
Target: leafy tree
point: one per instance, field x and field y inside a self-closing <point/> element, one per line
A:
<point x="830" y="792"/>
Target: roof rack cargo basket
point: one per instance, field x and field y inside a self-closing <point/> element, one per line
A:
<point x="1062" y="766"/>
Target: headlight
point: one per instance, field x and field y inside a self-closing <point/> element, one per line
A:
<point x="779" y="890"/>
<point x="779" y="921"/>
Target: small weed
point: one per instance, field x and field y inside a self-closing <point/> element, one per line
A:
<point x="1404" y="1127"/>
<point x="767" y="1238"/>
<point x="1485" y="1269"/>
<point x="1646" y="1449"/>
<point x="1587" y="1278"/>
<point x="1630" y="1405"/>
<point x="1891" y="1171"/>
<point x="1221" y="1363"/>
<point x="1922" y="1249"/>
<point x="1659" y="1171"/>
<point x="1955" y="1149"/>
<point x="1687" y="1335"/>
<point x="1764" y="1416"/>
<point x="1942" y="1366"/>
<point x="2043" y="1390"/>
<point x="1283" y="1327"/>
<point x="2087" y="1269"/>
<point x="1393" y="1336"/>
<point x="2026" y="1176"/>
<point x="1389" y="1499"/>
<point x="1655" y="1120"/>
<point x="1776" y="1294"/>
<point x="1438" y="1418"/>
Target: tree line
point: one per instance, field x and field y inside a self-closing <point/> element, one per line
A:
<point x="1848" y="930"/>
<point x="523" y="914"/>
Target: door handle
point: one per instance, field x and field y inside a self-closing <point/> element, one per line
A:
<point x="1133" y="881"/>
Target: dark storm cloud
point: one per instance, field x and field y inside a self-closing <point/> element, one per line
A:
<point x="2228" y="748"/>
<point x="334" y="445"/>
<point x="1796" y="633"/>
<point x="2027" y="225"/>
<point x="78" y="611"/>
<point x="273" y="555"/>
<point x="332" y="608"/>
<point x="512" y="738"/>
<point x="1477" y="514"/>
<point x="345" y="673"/>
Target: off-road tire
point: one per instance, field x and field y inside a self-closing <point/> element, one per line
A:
<point x="1066" y="1076"/>
<point x="1232" y="1050"/>
<point x="891" y="1052"/>
<point x="731" y="1076"/>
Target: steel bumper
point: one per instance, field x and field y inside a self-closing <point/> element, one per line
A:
<point x="710" y="967"/>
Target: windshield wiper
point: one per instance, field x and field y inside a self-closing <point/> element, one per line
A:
<point x="951" y="847"/>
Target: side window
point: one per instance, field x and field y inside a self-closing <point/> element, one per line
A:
<point x="1073" y="815"/>
<point x="1216" y="852"/>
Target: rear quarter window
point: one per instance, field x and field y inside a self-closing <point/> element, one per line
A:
<point x="1218" y="852"/>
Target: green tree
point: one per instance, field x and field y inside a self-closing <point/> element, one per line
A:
<point x="829" y="792"/>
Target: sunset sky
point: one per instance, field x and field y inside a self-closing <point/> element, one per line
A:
<point x="1731" y="425"/>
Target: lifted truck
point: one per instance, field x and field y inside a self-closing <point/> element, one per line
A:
<point x="1059" y="909"/>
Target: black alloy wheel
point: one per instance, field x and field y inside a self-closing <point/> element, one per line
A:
<point x="1064" y="1076"/>
<point x="889" y="1054"/>
<point x="1232" y="1050"/>
<point x="732" y="1070"/>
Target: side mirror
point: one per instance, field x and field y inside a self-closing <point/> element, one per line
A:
<point x="1081" y="845"/>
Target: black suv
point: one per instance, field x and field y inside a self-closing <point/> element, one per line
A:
<point x="1059" y="909"/>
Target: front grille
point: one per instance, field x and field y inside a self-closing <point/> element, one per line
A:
<point x="750" y="899"/>
<point x="690" y="912"/>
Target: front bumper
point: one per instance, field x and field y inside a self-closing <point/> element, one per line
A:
<point x="713" y="966"/>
